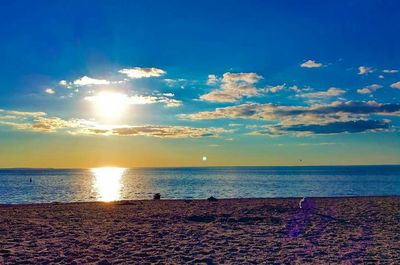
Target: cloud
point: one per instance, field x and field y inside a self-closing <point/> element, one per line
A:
<point x="170" y="102"/>
<point x="368" y="89"/>
<point x="180" y="82"/>
<point x="331" y="92"/>
<point x="165" y="98"/>
<point x="362" y="70"/>
<point x="7" y="117"/>
<point x="88" y="81"/>
<point x="85" y="127"/>
<point x="311" y="64"/>
<point x="275" y="89"/>
<point x="54" y="123"/>
<point x="292" y="115"/>
<point x="16" y="125"/>
<point x="157" y="131"/>
<point x="34" y="121"/>
<point x="24" y="113"/>
<point x="234" y="86"/>
<point x="139" y="72"/>
<point x="352" y="126"/>
<point x="387" y="71"/>
<point x="212" y="80"/>
<point x="395" y="85"/>
<point x="49" y="91"/>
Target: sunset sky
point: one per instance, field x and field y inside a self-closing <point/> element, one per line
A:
<point x="170" y="83"/>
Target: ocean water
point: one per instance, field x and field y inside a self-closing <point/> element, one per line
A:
<point x="108" y="184"/>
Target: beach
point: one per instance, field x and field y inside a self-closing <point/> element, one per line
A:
<point x="351" y="230"/>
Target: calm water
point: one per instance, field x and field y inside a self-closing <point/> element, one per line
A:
<point x="107" y="184"/>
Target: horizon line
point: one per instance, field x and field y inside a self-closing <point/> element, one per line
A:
<point x="147" y="167"/>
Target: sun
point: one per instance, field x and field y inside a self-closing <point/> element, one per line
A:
<point x="109" y="104"/>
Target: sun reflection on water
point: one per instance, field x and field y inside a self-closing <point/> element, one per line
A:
<point x="107" y="182"/>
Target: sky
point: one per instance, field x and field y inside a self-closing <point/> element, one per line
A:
<point x="199" y="83"/>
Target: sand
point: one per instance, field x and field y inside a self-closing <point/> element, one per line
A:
<point x="239" y="231"/>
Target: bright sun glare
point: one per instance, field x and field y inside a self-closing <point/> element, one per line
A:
<point x="107" y="182"/>
<point x="110" y="104"/>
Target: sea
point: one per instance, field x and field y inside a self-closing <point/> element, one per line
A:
<point x="22" y="186"/>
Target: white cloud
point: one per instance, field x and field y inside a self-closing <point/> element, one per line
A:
<point x="87" y="81"/>
<point x="139" y="72"/>
<point x="393" y="71"/>
<point x="362" y="70"/>
<point x="311" y="64"/>
<point x="295" y="89"/>
<point x="179" y="82"/>
<point x="275" y="89"/>
<point x="25" y="113"/>
<point x="395" y="85"/>
<point x="168" y="101"/>
<point x="234" y="86"/>
<point x="212" y="80"/>
<point x="368" y="89"/>
<point x="331" y="92"/>
<point x="49" y="91"/>
<point x="63" y="83"/>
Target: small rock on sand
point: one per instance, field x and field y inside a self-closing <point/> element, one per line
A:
<point x="212" y="199"/>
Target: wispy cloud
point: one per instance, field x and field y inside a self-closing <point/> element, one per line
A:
<point x="395" y="85"/>
<point x="36" y="122"/>
<point x="179" y="82"/>
<point x="275" y="89"/>
<point x="63" y="83"/>
<point x="212" y="79"/>
<point x="49" y="91"/>
<point x="139" y="72"/>
<point x="368" y="89"/>
<point x="22" y="113"/>
<point x="352" y="126"/>
<point x="331" y="92"/>
<point x="311" y="64"/>
<point x="362" y="70"/>
<point x="88" y="81"/>
<point x="166" y="98"/>
<point x="155" y="131"/>
<point x="390" y="71"/>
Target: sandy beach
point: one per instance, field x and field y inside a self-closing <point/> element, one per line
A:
<point x="236" y="231"/>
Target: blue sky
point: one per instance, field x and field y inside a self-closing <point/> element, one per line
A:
<point x="273" y="82"/>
